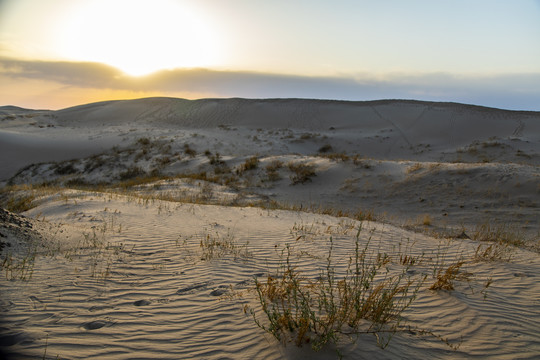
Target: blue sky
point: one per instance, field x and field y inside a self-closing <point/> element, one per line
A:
<point x="58" y="53"/>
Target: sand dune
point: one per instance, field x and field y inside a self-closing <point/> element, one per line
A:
<point x="474" y="163"/>
<point x="119" y="199"/>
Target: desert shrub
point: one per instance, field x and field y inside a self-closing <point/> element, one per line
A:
<point x="189" y="151"/>
<point x="523" y="154"/>
<point x="336" y="156"/>
<point x="165" y="160"/>
<point x="130" y="173"/>
<point x="65" y="169"/>
<point x="321" y="310"/>
<point x="272" y="170"/>
<point x="414" y="168"/>
<point x="492" y="143"/>
<point x="20" y="268"/>
<point x="77" y="182"/>
<point x="206" y="193"/>
<point x="250" y="164"/>
<point x="215" y="159"/>
<point x="95" y="162"/>
<point x="143" y="141"/>
<point x="308" y="136"/>
<point x="426" y="220"/>
<point x="326" y="148"/>
<point x="445" y="278"/>
<point x="358" y="161"/>
<point x="20" y="203"/>
<point x="217" y="246"/>
<point x="220" y="166"/>
<point x="301" y="173"/>
<point x="498" y="251"/>
<point x="497" y="233"/>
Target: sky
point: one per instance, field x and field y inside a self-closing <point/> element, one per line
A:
<point x="60" y="53"/>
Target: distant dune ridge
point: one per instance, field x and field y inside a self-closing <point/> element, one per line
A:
<point x="159" y="213"/>
<point x="463" y="150"/>
<point x="406" y="124"/>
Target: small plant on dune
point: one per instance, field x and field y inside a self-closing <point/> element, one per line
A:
<point x="498" y="251"/>
<point x="445" y="278"/>
<point x="326" y="148"/>
<point x="365" y="299"/>
<point x="414" y="168"/>
<point x="426" y="220"/>
<point x="336" y="156"/>
<point x="215" y="159"/>
<point x="250" y="164"/>
<point x="20" y="203"/>
<point x="216" y="246"/>
<point x="131" y="173"/>
<point x="144" y="141"/>
<point x="66" y="168"/>
<point x="301" y="173"/>
<point x="19" y="268"/>
<point x="272" y="170"/>
<point x="497" y="233"/>
<point x="189" y="151"/>
<point x="20" y="198"/>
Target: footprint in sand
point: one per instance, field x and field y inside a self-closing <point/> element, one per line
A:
<point x="189" y="289"/>
<point x="220" y="291"/>
<point x="96" y="324"/>
<point x="142" y="302"/>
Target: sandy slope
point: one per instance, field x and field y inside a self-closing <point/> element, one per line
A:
<point x="125" y="276"/>
<point x="474" y="164"/>
<point x="155" y="295"/>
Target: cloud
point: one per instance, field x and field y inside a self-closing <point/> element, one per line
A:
<point x="509" y="91"/>
<point x="83" y="74"/>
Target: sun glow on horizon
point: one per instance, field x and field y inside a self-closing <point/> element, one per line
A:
<point x="137" y="37"/>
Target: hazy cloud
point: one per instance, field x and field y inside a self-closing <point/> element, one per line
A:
<point x="512" y="91"/>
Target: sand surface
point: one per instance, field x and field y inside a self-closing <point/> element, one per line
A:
<point x="118" y="270"/>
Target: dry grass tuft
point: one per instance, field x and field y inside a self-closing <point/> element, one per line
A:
<point x="216" y="246"/>
<point x="498" y="251"/>
<point x="251" y="163"/>
<point x="497" y="233"/>
<point x="414" y="168"/>
<point x="301" y="173"/>
<point x="445" y="278"/>
<point x="365" y="299"/>
<point x="426" y="220"/>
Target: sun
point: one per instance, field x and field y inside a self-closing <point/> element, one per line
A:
<point x="137" y="36"/>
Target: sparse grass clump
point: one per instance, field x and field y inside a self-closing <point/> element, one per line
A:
<point x="19" y="268"/>
<point x="414" y="168"/>
<point x="131" y="173"/>
<point x="497" y="233"/>
<point x="272" y="170"/>
<point x="445" y="278"/>
<point x="498" y="251"/>
<point x="215" y="159"/>
<point x="365" y="298"/>
<point x="301" y="173"/>
<point x="336" y="156"/>
<point x="144" y="141"/>
<point x="426" y="220"/>
<point x="326" y="148"/>
<point x="20" y="203"/>
<point x="217" y="246"/>
<point x="65" y="169"/>
<point x="189" y="151"/>
<point x="250" y="164"/>
<point x="20" y="198"/>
